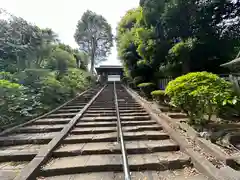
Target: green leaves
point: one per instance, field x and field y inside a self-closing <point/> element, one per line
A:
<point x="37" y="72"/>
<point x="147" y="88"/>
<point x="160" y="96"/>
<point x="23" y="45"/>
<point x="60" y="61"/>
<point x="177" y="36"/>
<point x="199" y="94"/>
<point x="94" y="37"/>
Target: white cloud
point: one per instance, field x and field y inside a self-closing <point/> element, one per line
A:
<point x="62" y="15"/>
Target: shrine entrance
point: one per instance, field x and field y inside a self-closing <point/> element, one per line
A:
<point x="109" y="73"/>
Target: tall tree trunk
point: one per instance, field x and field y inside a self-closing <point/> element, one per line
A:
<point x="92" y="56"/>
<point x="92" y="64"/>
<point x="185" y="64"/>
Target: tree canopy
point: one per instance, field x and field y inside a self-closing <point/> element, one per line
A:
<point x="94" y="37"/>
<point x="37" y="71"/>
<point x="164" y="35"/>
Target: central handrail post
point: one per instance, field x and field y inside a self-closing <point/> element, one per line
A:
<point x="120" y="136"/>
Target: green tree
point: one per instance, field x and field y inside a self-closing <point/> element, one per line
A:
<point x="23" y="45"/>
<point x="37" y="72"/>
<point x="94" y="36"/>
<point x="165" y="35"/>
<point x="60" y="61"/>
<point x="82" y="59"/>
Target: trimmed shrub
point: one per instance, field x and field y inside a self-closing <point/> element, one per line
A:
<point x="160" y="96"/>
<point x="199" y="94"/>
<point x="147" y="88"/>
<point x="53" y="92"/>
<point x="138" y="80"/>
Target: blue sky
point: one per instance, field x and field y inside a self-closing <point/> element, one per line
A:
<point x="62" y="15"/>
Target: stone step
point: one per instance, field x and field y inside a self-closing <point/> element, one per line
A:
<point x="62" y="115"/>
<point x="132" y="147"/>
<point x="47" y="121"/>
<point x="79" y="103"/>
<point x="134" y="114"/>
<point x="9" y="170"/>
<point x="87" y="114"/>
<point x="167" y="109"/>
<point x="153" y="127"/>
<point x="113" y="108"/>
<point x="69" y="110"/>
<point x="99" y="130"/>
<point x="177" y="115"/>
<point x="128" y="103"/>
<point x="93" y="130"/>
<point x="98" y="103"/>
<point x="113" y="124"/>
<point x="29" y="151"/>
<point x="113" y="162"/>
<point x="114" y="111"/>
<point x="72" y="107"/>
<point x="114" y="118"/>
<point x="19" y="152"/>
<point x="111" y="137"/>
<point x="181" y="174"/>
<point x="26" y="138"/>
<point x="128" y="106"/>
<point x="40" y="128"/>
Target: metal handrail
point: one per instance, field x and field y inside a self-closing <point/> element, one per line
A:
<point x="120" y="136"/>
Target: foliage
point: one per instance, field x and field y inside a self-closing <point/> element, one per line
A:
<point x="76" y="80"/>
<point x="32" y="77"/>
<point x="37" y="72"/>
<point x="11" y="94"/>
<point x="22" y="44"/>
<point x="180" y="53"/>
<point x="147" y="88"/>
<point x="138" y="80"/>
<point x="82" y="60"/>
<point x="171" y="69"/>
<point x="53" y="92"/>
<point x="145" y="84"/>
<point x="160" y="96"/>
<point x="94" y="37"/>
<point x="60" y="61"/>
<point x="8" y="76"/>
<point x="16" y="102"/>
<point x="206" y="36"/>
<point x="199" y="94"/>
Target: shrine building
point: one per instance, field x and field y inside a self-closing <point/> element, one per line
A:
<point x="109" y="73"/>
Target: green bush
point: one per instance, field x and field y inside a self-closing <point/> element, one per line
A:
<point x="32" y="77"/>
<point x="75" y="79"/>
<point x="61" y="61"/>
<point x="8" y="76"/>
<point x="160" y="96"/>
<point x="11" y="98"/>
<point x="147" y="88"/>
<point x="138" y="80"/>
<point x="53" y="92"/>
<point x="199" y="94"/>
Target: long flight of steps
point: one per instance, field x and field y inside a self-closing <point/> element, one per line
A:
<point x="90" y="151"/>
<point x="20" y="146"/>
